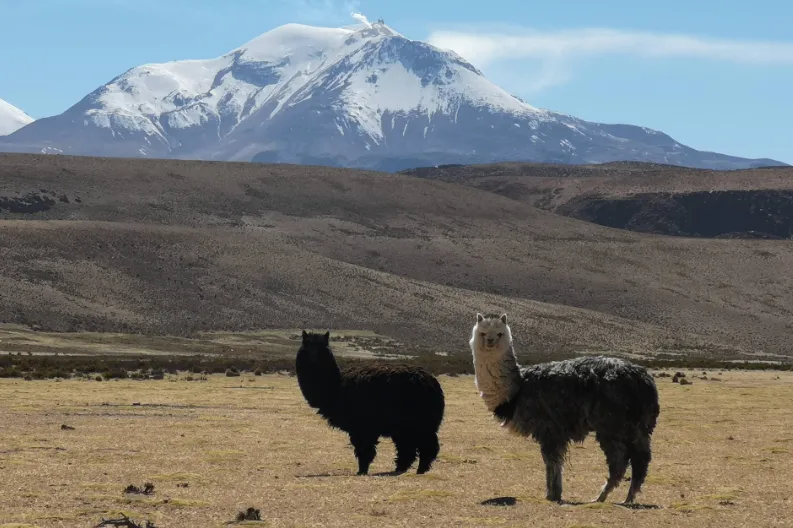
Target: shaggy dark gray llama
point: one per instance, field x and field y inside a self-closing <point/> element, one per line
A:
<point x="563" y="401"/>
<point x="401" y="402"/>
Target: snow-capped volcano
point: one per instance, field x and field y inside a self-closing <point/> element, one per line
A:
<point x="362" y="96"/>
<point x="12" y="118"/>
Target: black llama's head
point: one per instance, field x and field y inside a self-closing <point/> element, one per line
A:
<point x="318" y="373"/>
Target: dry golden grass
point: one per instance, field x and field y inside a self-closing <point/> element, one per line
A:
<point x="722" y="457"/>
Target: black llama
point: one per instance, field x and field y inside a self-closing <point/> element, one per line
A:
<point x="401" y="402"/>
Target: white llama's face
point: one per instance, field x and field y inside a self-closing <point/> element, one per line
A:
<point x="492" y="333"/>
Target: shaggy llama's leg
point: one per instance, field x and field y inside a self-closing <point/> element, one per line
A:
<point x="429" y="447"/>
<point x="553" y="455"/>
<point x="617" y="459"/>
<point x="405" y="452"/>
<point x="640" y="461"/>
<point x="365" y="451"/>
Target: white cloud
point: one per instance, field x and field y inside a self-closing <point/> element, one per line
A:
<point x="485" y="48"/>
<point x="549" y="56"/>
<point x="361" y="18"/>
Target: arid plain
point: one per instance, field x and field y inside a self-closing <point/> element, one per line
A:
<point x="723" y="454"/>
<point x="148" y="260"/>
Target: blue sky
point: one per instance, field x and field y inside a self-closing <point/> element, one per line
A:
<point x="714" y="76"/>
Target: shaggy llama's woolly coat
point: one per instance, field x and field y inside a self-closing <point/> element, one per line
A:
<point x="561" y="402"/>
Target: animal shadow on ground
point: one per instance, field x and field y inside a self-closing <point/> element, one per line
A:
<point x="500" y="501"/>
<point x="636" y="506"/>
<point x="388" y="474"/>
<point x="348" y="474"/>
<point x="630" y="506"/>
<point x="512" y="501"/>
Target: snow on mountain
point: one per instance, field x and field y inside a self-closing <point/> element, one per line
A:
<point x="12" y="118"/>
<point x="362" y="96"/>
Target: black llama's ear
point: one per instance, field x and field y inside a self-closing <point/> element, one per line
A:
<point x="479" y="317"/>
<point x="504" y="318"/>
<point x="305" y="335"/>
<point x="326" y="337"/>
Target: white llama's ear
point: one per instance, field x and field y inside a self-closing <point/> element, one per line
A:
<point x="504" y="318"/>
<point x="479" y="317"/>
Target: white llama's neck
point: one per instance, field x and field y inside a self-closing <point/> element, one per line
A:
<point x="497" y="375"/>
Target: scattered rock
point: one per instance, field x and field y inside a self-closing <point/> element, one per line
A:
<point x="251" y="514"/>
<point x="65" y="427"/>
<point x="148" y="489"/>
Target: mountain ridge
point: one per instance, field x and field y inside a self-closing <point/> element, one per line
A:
<point x="361" y="96"/>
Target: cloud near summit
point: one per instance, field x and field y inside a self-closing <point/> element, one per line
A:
<point x="483" y="48"/>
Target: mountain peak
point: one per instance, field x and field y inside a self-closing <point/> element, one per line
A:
<point x="376" y="29"/>
<point x="360" y="96"/>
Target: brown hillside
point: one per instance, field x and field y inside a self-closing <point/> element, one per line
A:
<point x="548" y="186"/>
<point x="172" y="247"/>
<point x="650" y="198"/>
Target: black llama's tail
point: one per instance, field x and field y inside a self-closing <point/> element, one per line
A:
<point x="648" y="398"/>
<point x="643" y="407"/>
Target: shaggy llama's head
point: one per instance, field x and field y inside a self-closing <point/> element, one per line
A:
<point x="491" y="334"/>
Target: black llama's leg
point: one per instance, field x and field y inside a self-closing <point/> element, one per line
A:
<point x="553" y="453"/>
<point x="365" y="450"/>
<point x="617" y="459"/>
<point x="429" y="447"/>
<point x="405" y="452"/>
<point x="640" y="454"/>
